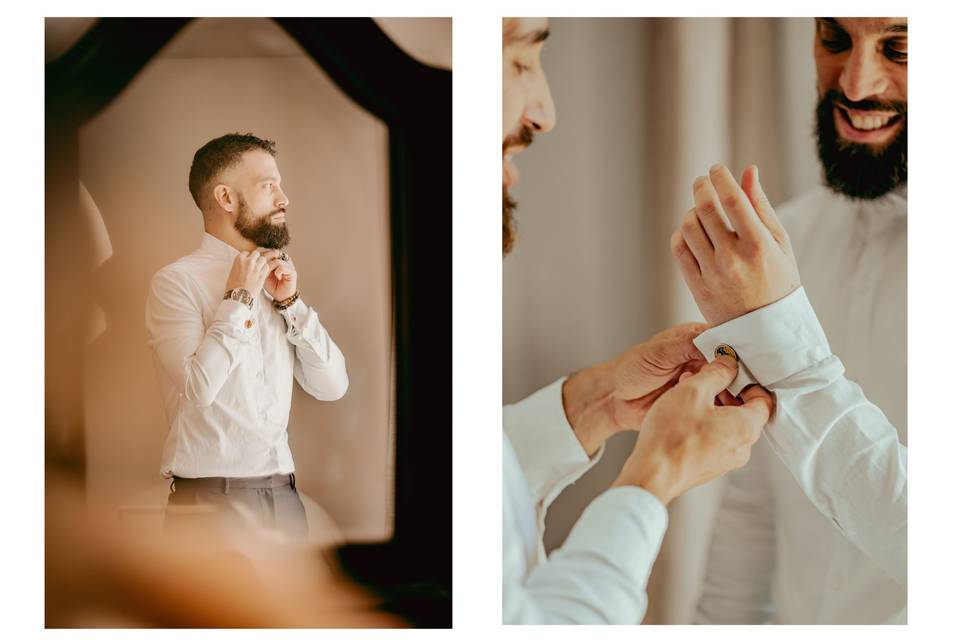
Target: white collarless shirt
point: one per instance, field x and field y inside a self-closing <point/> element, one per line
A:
<point x="814" y="529"/>
<point x="599" y="575"/>
<point x="226" y="372"/>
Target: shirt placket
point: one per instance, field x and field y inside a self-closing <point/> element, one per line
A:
<point x="859" y="331"/>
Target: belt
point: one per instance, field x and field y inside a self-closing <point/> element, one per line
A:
<point x="226" y="484"/>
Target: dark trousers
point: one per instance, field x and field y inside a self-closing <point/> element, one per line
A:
<point x="271" y="502"/>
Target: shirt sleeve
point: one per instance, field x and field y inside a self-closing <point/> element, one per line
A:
<point x="599" y="575"/>
<point x="320" y="367"/>
<point x="197" y="359"/>
<point x="842" y="450"/>
<point x="550" y="454"/>
<point x="742" y="554"/>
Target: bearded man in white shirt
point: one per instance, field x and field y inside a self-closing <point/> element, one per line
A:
<point x="661" y="388"/>
<point x="814" y="529"/>
<point x="229" y="334"/>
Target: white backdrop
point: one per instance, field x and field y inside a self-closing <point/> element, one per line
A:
<point x="643" y="107"/>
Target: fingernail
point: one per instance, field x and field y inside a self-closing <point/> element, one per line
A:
<point x="728" y="361"/>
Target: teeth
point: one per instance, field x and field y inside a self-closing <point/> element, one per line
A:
<point x="868" y="123"/>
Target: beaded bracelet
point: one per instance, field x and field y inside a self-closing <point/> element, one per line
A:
<point x="280" y="305"/>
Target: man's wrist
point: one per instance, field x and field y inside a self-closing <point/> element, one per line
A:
<point x="651" y="474"/>
<point x="239" y="294"/>
<point x="287" y="302"/>
<point x="587" y="402"/>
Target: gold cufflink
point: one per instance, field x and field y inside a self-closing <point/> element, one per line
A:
<point x="725" y="350"/>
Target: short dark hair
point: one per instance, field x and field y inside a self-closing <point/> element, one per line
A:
<point x="220" y="154"/>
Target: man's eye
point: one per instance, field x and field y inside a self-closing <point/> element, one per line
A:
<point x="835" y="43"/>
<point x="896" y="51"/>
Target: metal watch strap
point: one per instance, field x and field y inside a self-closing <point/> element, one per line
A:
<point x="239" y="295"/>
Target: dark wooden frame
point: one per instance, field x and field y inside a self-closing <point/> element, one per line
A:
<point x="413" y="569"/>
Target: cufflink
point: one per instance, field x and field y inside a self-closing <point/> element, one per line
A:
<point x="725" y="350"/>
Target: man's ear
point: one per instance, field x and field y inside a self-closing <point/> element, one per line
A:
<point x="225" y="197"/>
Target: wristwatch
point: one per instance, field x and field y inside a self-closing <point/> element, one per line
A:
<point x="240" y="295"/>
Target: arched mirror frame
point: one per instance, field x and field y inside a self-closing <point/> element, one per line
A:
<point x="413" y="569"/>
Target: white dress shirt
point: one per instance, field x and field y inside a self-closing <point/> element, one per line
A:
<point x="814" y="529"/>
<point x="226" y="372"/>
<point x="599" y="575"/>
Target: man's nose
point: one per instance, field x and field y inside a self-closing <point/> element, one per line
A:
<point x="863" y="75"/>
<point x="540" y="115"/>
<point x="282" y="201"/>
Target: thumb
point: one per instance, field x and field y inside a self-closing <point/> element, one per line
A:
<point x="715" y="376"/>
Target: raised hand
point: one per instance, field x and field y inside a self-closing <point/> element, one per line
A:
<point x="732" y="250"/>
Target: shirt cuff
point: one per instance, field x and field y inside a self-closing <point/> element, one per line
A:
<point x="773" y="342"/>
<point x="237" y="316"/>
<point x="544" y="441"/>
<point x="296" y="316"/>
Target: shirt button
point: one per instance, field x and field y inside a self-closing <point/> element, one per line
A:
<point x="248" y="323"/>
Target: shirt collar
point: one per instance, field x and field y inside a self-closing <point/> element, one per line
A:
<point x="214" y="246"/>
<point x="892" y="205"/>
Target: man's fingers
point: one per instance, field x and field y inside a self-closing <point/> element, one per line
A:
<point x="710" y="213"/>
<point x="756" y="393"/>
<point x="735" y="203"/>
<point x="727" y="399"/>
<point x="696" y="238"/>
<point x="760" y="202"/>
<point x="684" y="259"/>
<point x="715" y="376"/>
<point x="754" y="413"/>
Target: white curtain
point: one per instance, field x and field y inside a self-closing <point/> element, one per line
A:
<point x="643" y="107"/>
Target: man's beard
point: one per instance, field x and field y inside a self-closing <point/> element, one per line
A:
<point x="856" y="169"/>
<point x="509" y="226"/>
<point x="524" y="138"/>
<point x="262" y="232"/>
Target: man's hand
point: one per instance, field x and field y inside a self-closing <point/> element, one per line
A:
<point x="615" y="396"/>
<point x="688" y="438"/>
<point x="282" y="281"/>
<point x="732" y="270"/>
<point x="249" y="270"/>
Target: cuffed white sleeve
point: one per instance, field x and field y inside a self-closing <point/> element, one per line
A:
<point x="549" y="452"/>
<point x="198" y="359"/>
<point x="843" y="451"/>
<point x="599" y="575"/>
<point x="320" y="367"/>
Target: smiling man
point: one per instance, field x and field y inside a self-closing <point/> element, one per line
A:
<point x="814" y="529"/>
<point x="229" y="334"/>
<point x="660" y="388"/>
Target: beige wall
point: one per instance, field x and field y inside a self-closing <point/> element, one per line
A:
<point x="215" y="77"/>
<point x="643" y="107"/>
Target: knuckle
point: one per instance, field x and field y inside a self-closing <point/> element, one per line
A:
<point x="707" y="208"/>
<point x="728" y="262"/>
<point x="750" y="247"/>
<point x="676" y="243"/>
<point x="730" y="202"/>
